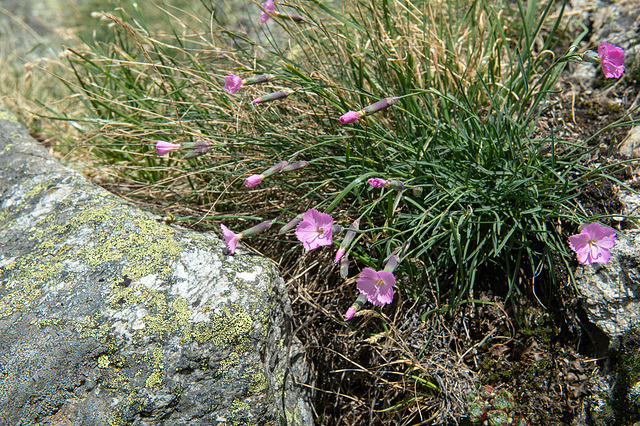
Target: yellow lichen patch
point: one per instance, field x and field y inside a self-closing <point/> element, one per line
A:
<point x="155" y="378"/>
<point x="103" y="361"/>
<point x="119" y="382"/>
<point x="238" y="406"/>
<point x="230" y="361"/>
<point x="231" y="330"/>
<point x="256" y="379"/>
<point x="48" y="322"/>
<point x="36" y="189"/>
<point x="8" y="116"/>
<point x="116" y="420"/>
<point x="145" y="249"/>
<point x="27" y="275"/>
<point x="89" y="328"/>
<point x="223" y="330"/>
<point x="143" y="244"/>
<point x="4" y="214"/>
<point x="169" y="318"/>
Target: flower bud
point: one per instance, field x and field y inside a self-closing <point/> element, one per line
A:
<point x="295" y="166"/>
<point x="357" y="305"/>
<point x="380" y="105"/>
<point x="263" y="226"/>
<point x="274" y="169"/>
<point x="279" y="94"/>
<point x="392" y="263"/>
<point x="293" y="17"/>
<point x="344" y="267"/>
<point x="396" y="184"/>
<point x="201" y="147"/>
<point x="292" y="224"/>
<point x="261" y="78"/>
<point x="337" y="229"/>
<point x="351" y="233"/>
<point x="591" y="57"/>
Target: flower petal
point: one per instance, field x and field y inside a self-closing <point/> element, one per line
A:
<point x="307" y="233"/>
<point x="230" y="239"/>
<point x="611" y="60"/>
<point x="366" y="282"/>
<point x="579" y="241"/>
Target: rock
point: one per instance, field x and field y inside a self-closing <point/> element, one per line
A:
<point x="610" y="298"/>
<point x="610" y="292"/>
<point x="110" y="317"/>
<point x="615" y="398"/>
<point x="630" y="146"/>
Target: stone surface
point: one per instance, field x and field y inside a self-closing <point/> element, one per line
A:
<point x="610" y="292"/>
<point x="110" y="317"/>
<point x="630" y="146"/>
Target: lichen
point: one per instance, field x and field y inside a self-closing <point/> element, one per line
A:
<point x="155" y="378"/>
<point x="237" y="405"/>
<point x="103" y="361"/>
<point x="256" y="379"/>
<point x="8" y="116"/>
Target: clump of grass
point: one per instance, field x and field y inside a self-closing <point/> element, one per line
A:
<point x="470" y="92"/>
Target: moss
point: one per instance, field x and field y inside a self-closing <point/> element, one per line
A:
<point x="602" y="414"/>
<point x="626" y="392"/>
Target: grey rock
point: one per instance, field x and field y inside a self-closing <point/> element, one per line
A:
<point x="630" y="146"/>
<point x="610" y="293"/>
<point x="110" y="317"/>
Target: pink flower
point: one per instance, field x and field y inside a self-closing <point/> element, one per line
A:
<point x="315" y="229"/>
<point x="611" y="60"/>
<point x="163" y="147"/>
<point x="377" y="182"/>
<point x="230" y="239"/>
<point x="269" y="9"/>
<point x="592" y="244"/>
<point x="377" y="285"/>
<point x="350" y="117"/>
<point x="232" y="83"/>
<point x="253" y="180"/>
